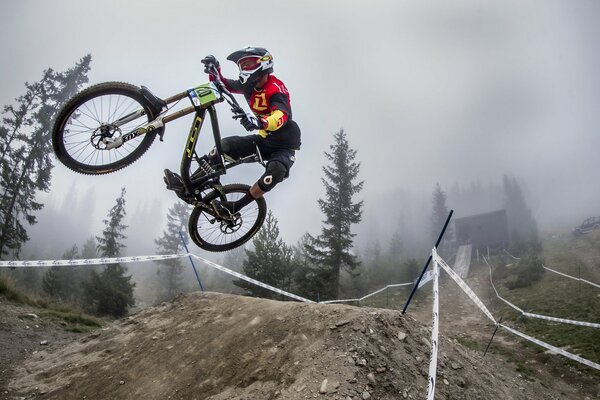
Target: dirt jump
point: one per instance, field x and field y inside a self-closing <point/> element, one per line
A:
<point x="217" y="346"/>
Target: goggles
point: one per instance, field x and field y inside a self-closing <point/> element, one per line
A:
<point x="249" y="63"/>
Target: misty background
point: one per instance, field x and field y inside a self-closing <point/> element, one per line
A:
<point x="461" y="94"/>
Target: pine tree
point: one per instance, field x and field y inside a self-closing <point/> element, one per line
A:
<point x="111" y="292"/>
<point x="25" y="149"/>
<point x="309" y="279"/>
<point x="522" y="225"/>
<point x="439" y="212"/>
<point x="62" y="282"/>
<point x="269" y="262"/>
<point x="396" y="246"/>
<point x="331" y="250"/>
<point x="169" y="243"/>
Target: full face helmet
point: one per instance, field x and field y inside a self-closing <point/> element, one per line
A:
<point x="253" y="62"/>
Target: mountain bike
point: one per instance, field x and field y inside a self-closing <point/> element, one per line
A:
<point x="108" y="126"/>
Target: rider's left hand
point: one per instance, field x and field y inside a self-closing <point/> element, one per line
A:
<point x="250" y="122"/>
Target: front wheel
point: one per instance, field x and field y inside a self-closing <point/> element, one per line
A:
<point x="214" y="234"/>
<point x="88" y="122"/>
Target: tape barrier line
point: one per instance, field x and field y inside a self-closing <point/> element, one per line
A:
<point x="368" y="295"/>
<point x="87" y="261"/>
<point x="562" y="320"/>
<point x="464" y="287"/>
<point x="514" y="258"/>
<point x="530" y="315"/>
<point x="572" y="277"/>
<point x="553" y="348"/>
<point x="497" y="295"/>
<point x="524" y="336"/>
<point x="434" y="331"/>
<point x="427" y="277"/>
<point x="247" y="279"/>
<point x="559" y="273"/>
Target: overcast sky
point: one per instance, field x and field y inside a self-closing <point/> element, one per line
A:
<point x="427" y="92"/>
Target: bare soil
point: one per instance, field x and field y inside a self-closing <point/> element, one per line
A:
<point x="216" y="346"/>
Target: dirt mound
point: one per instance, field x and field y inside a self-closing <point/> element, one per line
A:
<point x="216" y="346"/>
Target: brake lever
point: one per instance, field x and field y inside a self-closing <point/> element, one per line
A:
<point x="235" y="107"/>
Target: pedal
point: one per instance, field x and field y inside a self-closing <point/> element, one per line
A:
<point x="172" y="180"/>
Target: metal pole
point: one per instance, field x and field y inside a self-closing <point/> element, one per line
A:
<point x="492" y="338"/>
<point x="191" y="261"/>
<point x="412" y="293"/>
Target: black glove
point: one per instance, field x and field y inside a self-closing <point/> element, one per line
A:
<point x="208" y="61"/>
<point x="249" y="121"/>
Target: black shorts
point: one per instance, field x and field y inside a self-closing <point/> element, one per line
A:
<point x="242" y="146"/>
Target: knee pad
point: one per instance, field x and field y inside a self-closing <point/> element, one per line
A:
<point x="274" y="174"/>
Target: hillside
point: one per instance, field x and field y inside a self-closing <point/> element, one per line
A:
<point x="215" y="346"/>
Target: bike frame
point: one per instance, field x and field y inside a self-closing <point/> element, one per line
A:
<point x="203" y="98"/>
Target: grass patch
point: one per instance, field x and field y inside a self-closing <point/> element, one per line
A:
<point x="561" y="297"/>
<point x="469" y="343"/>
<point x="73" y="319"/>
<point x="526" y="372"/>
<point x="12" y="294"/>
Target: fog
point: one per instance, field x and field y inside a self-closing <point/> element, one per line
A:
<point x="427" y="92"/>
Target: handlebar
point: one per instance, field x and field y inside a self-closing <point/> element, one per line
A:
<point x="235" y="106"/>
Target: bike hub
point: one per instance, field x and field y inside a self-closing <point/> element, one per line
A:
<point x="104" y="135"/>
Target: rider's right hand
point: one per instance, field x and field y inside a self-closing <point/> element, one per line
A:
<point x="208" y="61"/>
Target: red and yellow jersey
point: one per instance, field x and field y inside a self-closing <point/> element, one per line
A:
<point x="271" y="103"/>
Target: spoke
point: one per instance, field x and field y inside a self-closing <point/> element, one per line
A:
<point x="109" y="106"/>
<point x="78" y="150"/>
<point x="95" y="112"/>
<point x="89" y="157"/>
<point x="112" y="117"/>
<point x="88" y="115"/>
<point x="77" y="143"/>
<point x="131" y="106"/>
<point x="81" y="125"/>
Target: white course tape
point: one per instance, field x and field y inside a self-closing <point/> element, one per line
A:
<point x="434" y="332"/>
<point x="89" y="261"/>
<point x="524" y="336"/>
<point x="368" y="295"/>
<point x="515" y="258"/>
<point x="427" y="276"/>
<point x="572" y="277"/>
<point x="464" y="287"/>
<point x="553" y="348"/>
<point x="526" y="314"/>
<point x="497" y="295"/>
<point x="562" y="320"/>
<point x="560" y="273"/>
<point x="247" y="279"/>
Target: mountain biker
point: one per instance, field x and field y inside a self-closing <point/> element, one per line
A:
<point x="278" y="136"/>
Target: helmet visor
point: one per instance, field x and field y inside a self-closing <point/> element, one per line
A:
<point x="249" y="63"/>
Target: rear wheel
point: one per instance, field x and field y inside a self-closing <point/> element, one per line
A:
<point x="86" y="124"/>
<point x="214" y="234"/>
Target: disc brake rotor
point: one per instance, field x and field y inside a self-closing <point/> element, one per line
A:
<point x="104" y="134"/>
<point x="231" y="226"/>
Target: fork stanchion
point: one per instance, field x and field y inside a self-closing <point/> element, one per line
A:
<point x="191" y="261"/>
<point x="412" y="293"/>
